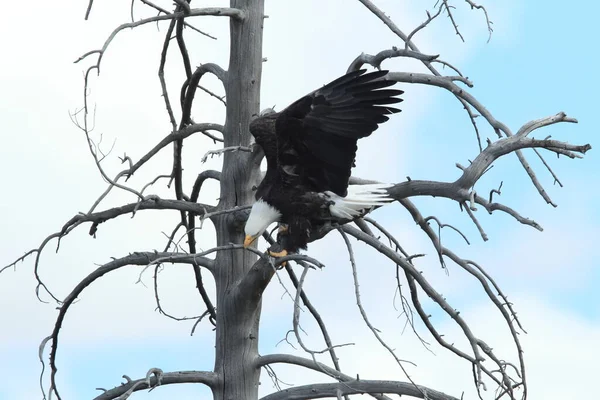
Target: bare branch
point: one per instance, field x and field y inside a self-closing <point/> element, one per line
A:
<point x="363" y="313"/>
<point x="95" y="149"/>
<point x="388" y="235"/>
<point x="185" y="117"/>
<point x="38" y="253"/>
<point x="323" y="390"/>
<point x="451" y="16"/>
<point x="168" y="378"/>
<point x="157" y="269"/>
<point x="487" y="18"/>
<point x="556" y="180"/>
<point x="183" y="5"/>
<point x="385" y="19"/>
<point x="448" y="84"/>
<point x="474" y="342"/>
<point x="218" y="152"/>
<point x="409" y="44"/>
<point x="210" y="308"/>
<point x="542" y="122"/>
<point x="496" y="191"/>
<point x="161" y="75"/>
<point x="269" y="359"/>
<point x="176" y="135"/>
<point x="363" y="226"/>
<point x="296" y="316"/>
<point x="173" y="136"/>
<point x="100" y="217"/>
<point x="191" y="222"/>
<point x="89" y="9"/>
<point x="188" y="91"/>
<point x="162" y="10"/>
<point x="307" y="303"/>
<point x="209" y="11"/>
<point x="153" y="203"/>
<point x="251" y="287"/>
<point x="159" y="306"/>
<point x="442" y="226"/>
<point x="296" y="320"/>
<point x="460" y="190"/>
<point x="216" y="96"/>
<point x="203" y="176"/>
<point x="377" y="59"/>
<point x="480" y="164"/>
<point x="311" y="308"/>
<point x="423" y="25"/>
<point x="485" y="280"/>
<point x="484" y="236"/>
<point x="20" y="259"/>
<point x="132" y="259"/>
<point x="153" y="181"/>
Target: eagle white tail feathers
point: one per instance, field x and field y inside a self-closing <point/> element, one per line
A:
<point x="359" y="198"/>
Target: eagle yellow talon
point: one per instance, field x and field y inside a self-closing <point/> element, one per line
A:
<point x="282" y="253"/>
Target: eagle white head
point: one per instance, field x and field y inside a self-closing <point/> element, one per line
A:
<point x="261" y="216"/>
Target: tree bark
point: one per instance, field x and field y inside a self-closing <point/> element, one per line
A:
<point x="237" y="318"/>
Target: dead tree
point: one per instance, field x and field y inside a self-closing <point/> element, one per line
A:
<point x="241" y="275"/>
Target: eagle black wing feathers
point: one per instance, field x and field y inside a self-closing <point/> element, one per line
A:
<point x="317" y="134"/>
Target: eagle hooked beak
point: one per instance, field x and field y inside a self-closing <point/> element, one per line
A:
<point x="249" y="240"/>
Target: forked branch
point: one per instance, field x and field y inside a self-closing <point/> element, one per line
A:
<point x="461" y="190"/>
<point x="195" y="12"/>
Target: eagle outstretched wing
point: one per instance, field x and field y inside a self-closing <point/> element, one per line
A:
<point x="317" y="134"/>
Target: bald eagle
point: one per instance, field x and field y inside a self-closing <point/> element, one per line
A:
<point x="310" y="148"/>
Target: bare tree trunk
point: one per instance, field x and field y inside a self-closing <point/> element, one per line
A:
<point x="237" y="318"/>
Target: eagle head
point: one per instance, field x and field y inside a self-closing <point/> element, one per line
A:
<point x="261" y="216"/>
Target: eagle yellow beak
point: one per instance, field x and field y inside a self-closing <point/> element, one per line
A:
<point x="249" y="240"/>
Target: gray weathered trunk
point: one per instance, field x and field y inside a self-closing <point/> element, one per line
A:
<point x="238" y="319"/>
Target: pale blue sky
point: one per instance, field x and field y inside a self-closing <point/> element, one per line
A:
<point x="534" y="66"/>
